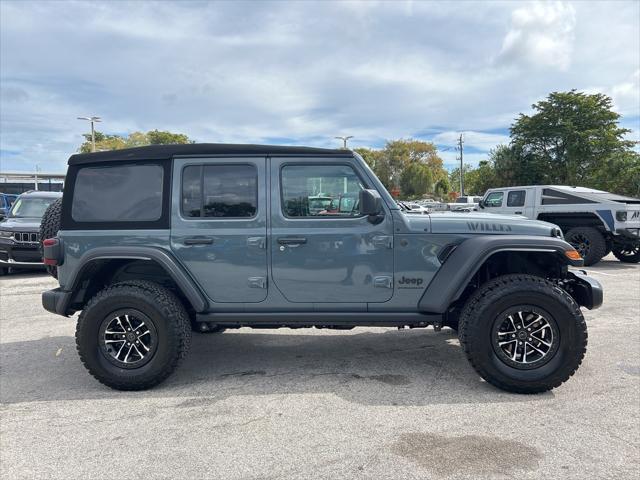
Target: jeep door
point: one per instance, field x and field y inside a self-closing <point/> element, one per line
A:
<point x="332" y="254"/>
<point x="219" y="225"/>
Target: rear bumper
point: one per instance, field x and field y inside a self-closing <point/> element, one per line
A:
<point x="57" y="301"/>
<point x="586" y="290"/>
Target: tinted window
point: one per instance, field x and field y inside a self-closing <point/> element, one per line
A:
<point x="494" y="199"/>
<point x="221" y="191"/>
<point x="320" y="191"/>
<point x="516" y="198"/>
<point x="118" y="194"/>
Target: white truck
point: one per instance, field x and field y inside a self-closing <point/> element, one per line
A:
<point x="464" y="204"/>
<point x="593" y="221"/>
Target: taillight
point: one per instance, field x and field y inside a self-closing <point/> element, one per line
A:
<point x="52" y="251"/>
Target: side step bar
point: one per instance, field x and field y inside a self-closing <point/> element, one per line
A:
<point x="301" y="319"/>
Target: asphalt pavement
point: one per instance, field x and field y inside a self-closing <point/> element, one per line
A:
<point x="366" y="403"/>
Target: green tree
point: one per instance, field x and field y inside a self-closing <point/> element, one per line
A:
<point x="134" y="139"/>
<point x="570" y="135"/>
<point x="442" y="188"/>
<point x="416" y="180"/>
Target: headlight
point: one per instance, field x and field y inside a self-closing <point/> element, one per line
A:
<point x="5" y="234"/>
<point x="621" y="216"/>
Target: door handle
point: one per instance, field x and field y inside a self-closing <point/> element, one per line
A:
<point x="198" y="241"/>
<point x="518" y="213"/>
<point x="292" y="241"/>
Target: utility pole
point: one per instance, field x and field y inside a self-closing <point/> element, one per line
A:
<point x="344" y="140"/>
<point x="93" y="132"/>
<point x="460" y="143"/>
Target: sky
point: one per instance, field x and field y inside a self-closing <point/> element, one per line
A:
<point x="303" y="72"/>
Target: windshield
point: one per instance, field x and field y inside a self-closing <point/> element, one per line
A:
<point x="30" y="207"/>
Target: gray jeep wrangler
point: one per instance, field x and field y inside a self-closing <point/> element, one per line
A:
<point x="154" y="242"/>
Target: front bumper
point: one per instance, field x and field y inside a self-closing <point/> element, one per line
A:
<point x="20" y="256"/>
<point x="57" y="301"/>
<point x="586" y="290"/>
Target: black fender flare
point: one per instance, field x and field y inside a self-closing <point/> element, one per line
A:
<point x="463" y="262"/>
<point x="165" y="259"/>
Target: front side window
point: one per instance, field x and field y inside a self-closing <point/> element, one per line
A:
<point x="320" y="191"/>
<point x="516" y="198"/>
<point x="494" y="199"/>
<point x="118" y="193"/>
<point x="219" y="191"/>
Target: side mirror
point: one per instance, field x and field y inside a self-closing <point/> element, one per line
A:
<point x="481" y="203"/>
<point x="371" y="205"/>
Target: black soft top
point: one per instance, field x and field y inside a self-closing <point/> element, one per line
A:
<point x="160" y="152"/>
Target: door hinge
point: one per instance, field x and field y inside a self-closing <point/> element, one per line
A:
<point x="257" y="282"/>
<point x="383" y="282"/>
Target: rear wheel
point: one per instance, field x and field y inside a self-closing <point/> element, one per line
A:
<point x="628" y="253"/>
<point x="49" y="228"/>
<point x="589" y="243"/>
<point x="132" y="335"/>
<point x="523" y="334"/>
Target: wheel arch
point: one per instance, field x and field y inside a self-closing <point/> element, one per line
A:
<point x="567" y="221"/>
<point x="106" y="265"/>
<point x="481" y="258"/>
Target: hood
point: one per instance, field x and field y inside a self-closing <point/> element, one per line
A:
<point x="477" y="223"/>
<point x="488" y="224"/>
<point x="20" y="224"/>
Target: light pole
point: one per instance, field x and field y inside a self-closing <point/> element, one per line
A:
<point x="344" y="140"/>
<point x="93" y="132"/>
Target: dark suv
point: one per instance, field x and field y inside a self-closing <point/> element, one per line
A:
<point x="156" y="241"/>
<point x="19" y="231"/>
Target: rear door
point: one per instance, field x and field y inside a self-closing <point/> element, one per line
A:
<point x="219" y="227"/>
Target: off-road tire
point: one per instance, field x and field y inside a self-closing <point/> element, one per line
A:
<point x="49" y="228"/>
<point x="627" y="254"/>
<point x="168" y="316"/>
<point x="497" y="296"/>
<point x="589" y="242"/>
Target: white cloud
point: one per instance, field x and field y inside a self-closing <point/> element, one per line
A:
<point x="541" y="35"/>
<point x="299" y="72"/>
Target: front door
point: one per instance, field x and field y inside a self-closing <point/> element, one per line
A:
<point x="219" y="228"/>
<point x="323" y="250"/>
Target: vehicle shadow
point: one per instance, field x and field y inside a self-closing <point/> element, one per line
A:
<point x="407" y="368"/>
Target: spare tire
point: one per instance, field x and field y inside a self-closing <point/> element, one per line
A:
<point x="49" y="228"/>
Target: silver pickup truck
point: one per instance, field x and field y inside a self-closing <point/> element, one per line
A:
<point x="593" y="221"/>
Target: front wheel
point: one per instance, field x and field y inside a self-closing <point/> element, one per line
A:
<point x="627" y="253"/>
<point x="523" y="334"/>
<point x="589" y="243"/>
<point x="132" y="335"/>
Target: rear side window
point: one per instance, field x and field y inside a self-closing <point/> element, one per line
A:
<point x="120" y="193"/>
<point x="219" y="191"/>
<point x="516" y="198"/>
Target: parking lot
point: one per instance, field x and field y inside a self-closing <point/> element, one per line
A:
<point x="367" y="403"/>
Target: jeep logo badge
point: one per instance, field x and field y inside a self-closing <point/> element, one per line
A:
<point x="405" y="282"/>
